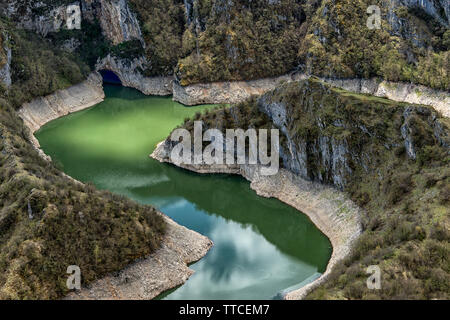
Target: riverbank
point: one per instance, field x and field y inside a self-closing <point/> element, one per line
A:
<point x="165" y="269"/>
<point x="238" y="91"/>
<point x="330" y="210"/>
<point x="230" y="92"/>
<point x="145" y="279"/>
<point x="42" y="110"/>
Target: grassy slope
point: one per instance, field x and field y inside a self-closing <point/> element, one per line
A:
<point x="406" y="224"/>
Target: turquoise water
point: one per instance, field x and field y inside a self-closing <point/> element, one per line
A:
<point x="261" y="246"/>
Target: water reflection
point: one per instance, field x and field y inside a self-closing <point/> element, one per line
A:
<point x="262" y="246"/>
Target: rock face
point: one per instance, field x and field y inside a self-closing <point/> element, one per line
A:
<point x="5" y="62"/>
<point x="118" y="22"/>
<point x="407" y="28"/>
<point x="38" y="16"/>
<point x="165" y="269"/>
<point x="330" y="210"/>
<point x="327" y="143"/>
<point x="128" y="72"/>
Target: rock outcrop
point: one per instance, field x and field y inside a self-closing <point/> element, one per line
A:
<point x="128" y="72"/>
<point x="5" y="61"/>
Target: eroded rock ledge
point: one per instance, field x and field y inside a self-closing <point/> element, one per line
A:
<point x="238" y="91"/>
<point x="330" y="210"/>
<point x="78" y="97"/>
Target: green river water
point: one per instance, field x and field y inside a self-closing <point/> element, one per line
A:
<point x="261" y="246"/>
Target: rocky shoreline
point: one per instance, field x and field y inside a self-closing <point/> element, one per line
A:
<point x="329" y="209"/>
<point x="229" y="92"/>
<point x="165" y="269"/>
<point x="81" y="96"/>
<point x="238" y="91"/>
<point x="145" y="279"/>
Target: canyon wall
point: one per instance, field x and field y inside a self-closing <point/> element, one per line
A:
<point x="118" y="22"/>
<point x="224" y="92"/>
<point x="327" y="144"/>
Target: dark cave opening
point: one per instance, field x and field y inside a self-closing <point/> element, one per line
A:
<point x="109" y="77"/>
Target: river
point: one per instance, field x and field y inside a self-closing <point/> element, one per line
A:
<point x="261" y="246"/>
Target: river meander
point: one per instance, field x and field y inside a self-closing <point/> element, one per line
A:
<point x="261" y="246"/>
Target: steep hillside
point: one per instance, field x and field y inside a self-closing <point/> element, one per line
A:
<point x="48" y="222"/>
<point x="412" y="43"/>
<point x="391" y="158"/>
<point x="216" y="40"/>
<point x="213" y="40"/>
<point x="2" y="52"/>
